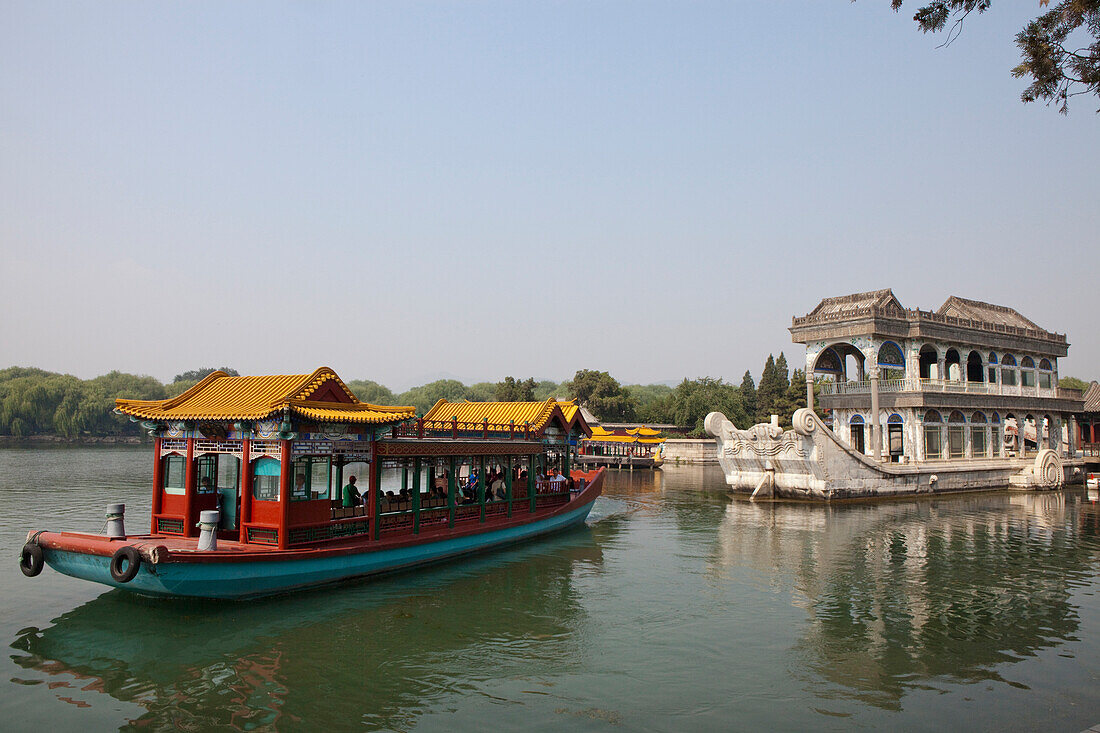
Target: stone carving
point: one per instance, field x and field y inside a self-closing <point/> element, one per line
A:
<point x="1048" y="469"/>
<point x="803" y="421"/>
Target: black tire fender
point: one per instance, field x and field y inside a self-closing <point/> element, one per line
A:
<point x="30" y="559"/>
<point x="125" y="564"/>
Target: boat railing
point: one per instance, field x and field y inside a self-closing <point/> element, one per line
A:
<point x="951" y="386"/>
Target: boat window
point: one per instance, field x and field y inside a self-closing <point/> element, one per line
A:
<point x="1008" y="377"/>
<point x="978" y="417"/>
<point x="311" y="478"/>
<point x="208" y="474"/>
<point x="933" y="446"/>
<point x="1027" y="363"/>
<point x="932" y="416"/>
<point x="1008" y="360"/>
<point x="228" y="470"/>
<point x="1044" y="380"/>
<point x="1027" y="378"/>
<point x="995" y="440"/>
<point x="1044" y="364"/>
<point x="956" y="417"/>
<point x="992" y="358"/>
<point x="174" y="475"/>
<point x="265" y="480"/>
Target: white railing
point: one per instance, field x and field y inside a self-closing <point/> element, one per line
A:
<point x="936" y="385"/>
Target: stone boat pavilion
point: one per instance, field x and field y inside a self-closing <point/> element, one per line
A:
<point x="968" y="381"/>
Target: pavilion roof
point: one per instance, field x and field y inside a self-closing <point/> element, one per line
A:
<point x="976" y="310"/>
<point x="320" y="396"/>
<point x="1092" y="398"/>
<point x="535" y="415"/>
<point x="856" y="304"/>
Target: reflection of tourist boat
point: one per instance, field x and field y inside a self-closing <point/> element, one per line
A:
<point x="257" y="464"/>
<point x="639" y="447"/>
<point x="920" y="402"/>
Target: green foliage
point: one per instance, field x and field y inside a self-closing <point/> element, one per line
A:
<point x="692" y="400"/>
<point x="603" y="396"/>
<point x="426" y="395"/>
<point x="748" y="393"/>
<point x="37" y="402"/>
<point x="511" y="390"/>
<point x="197" y="375"/>
<point x="372" y="392"/>
<point x="1060" y="49"/>
<point x="652" y="400"/>
<point x="1073" y="383"/>
<point x="547" y="389"/>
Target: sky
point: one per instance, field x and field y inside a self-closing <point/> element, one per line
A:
<point x="407" y="190"/>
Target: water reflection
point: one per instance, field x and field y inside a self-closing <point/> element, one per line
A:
<point x="906" y="595"/>
<point x="377" y="653"/>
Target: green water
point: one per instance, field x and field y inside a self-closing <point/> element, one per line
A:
<point x="675" y="609"/>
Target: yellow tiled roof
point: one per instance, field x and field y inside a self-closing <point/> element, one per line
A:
<point x="221" y="397"/>
<point x="569" y="409"/>
<point x="644" y="432"/>
<point x="612" y="439"/>
<point x="535" y="414"/>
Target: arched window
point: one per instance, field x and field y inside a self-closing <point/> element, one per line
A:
<point x="895" y="419"/>
<point x="978" y="443"/>
<point x="859" y="433"/>
<point x="933" y="435"/>
<point x="1046" y="379"/>
<point x="956" y="435"/>
<point x="992" y="358"/>
<point x="1027" y="372"/>
<point x="1008" y="370"/>
<point x="995" y="435"/>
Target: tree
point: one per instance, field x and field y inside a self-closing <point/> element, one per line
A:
<point x="603" y="395"/>
<point x="197" y="375"/>
<point x="424" y="396"/>
<point x="372" y="392"/>
<point x="1051" y="49"/>
<point x="748" y="393"/>
<point x="692" y="400"/>
<point x="1073" y="383"/>
<point x="511" y="390"/>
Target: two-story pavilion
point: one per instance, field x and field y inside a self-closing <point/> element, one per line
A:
<point x="960" y="382"/>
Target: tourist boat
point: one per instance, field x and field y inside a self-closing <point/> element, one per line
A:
<point x="638" y="447"/>
<point x="258" y="465"/>
<point x="958" y="399"/>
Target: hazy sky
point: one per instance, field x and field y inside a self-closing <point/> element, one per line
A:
<point x="409" y="189"/>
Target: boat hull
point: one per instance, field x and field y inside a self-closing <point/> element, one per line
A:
<point x="247" y="578"/>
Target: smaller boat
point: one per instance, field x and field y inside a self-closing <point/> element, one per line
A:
<point x="639" y="447"/>
<point x="250" y="496"/>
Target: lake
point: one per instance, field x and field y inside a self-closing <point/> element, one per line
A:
<point x="677" y="608"/>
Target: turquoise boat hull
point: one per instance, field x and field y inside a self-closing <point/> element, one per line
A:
<point x="251" y="578"/>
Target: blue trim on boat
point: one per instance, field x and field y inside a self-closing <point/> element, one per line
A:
<point x="235" y="580"/>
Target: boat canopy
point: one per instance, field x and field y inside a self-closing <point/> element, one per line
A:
<point x="320" y="396"/>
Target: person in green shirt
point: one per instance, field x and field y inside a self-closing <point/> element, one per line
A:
<point x="351" y="494"/>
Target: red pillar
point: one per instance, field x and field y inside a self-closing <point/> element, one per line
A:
<point x="158" y="486"/>
<point x="372" y="495"/>
<point x="246" y="488"/>
<point x="189" y="490"/>
<point x="284" y="494"/>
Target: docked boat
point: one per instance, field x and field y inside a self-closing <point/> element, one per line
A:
<point x="638" y="447"/>
<point x="255" y="488"/>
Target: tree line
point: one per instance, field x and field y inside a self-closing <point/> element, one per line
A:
<point x="38" y="402"/>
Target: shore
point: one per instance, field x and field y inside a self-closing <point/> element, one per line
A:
<point x="41" y="440"/>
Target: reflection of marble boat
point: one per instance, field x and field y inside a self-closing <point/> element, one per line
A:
<point x="811" y="462"/>
<point x="258" y="462"/>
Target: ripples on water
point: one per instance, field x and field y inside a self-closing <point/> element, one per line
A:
<point x="677" y="608"/>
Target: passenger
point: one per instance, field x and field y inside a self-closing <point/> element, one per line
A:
<point x="204" y="486"/>
<point x="300" y="486"/>
<point x="351" y="495"/>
